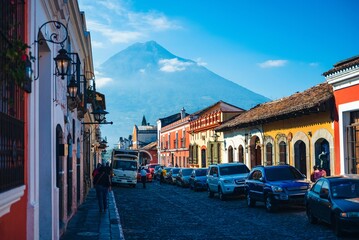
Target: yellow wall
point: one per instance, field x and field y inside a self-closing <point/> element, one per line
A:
<point x="308" y="128"/>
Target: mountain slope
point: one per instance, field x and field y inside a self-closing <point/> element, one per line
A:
<point x="149" y="80"/>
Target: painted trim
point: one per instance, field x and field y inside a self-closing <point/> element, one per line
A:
<point x="344" y="120"/>
<point x="10" y="197"/>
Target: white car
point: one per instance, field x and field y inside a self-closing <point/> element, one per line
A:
<point x="226" y="179"/>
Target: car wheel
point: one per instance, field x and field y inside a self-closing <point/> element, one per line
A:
<point x="270" y="207"/>
<point x="210" y="193"/>
<point x="222" y="197"/>
<point x="336" y="227"/>
<point x="311" y="218"/>
<point x="250" y="201"/>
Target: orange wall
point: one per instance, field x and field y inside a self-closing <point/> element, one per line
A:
<point x="342" y="96"/>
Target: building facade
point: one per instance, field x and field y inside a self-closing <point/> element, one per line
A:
<point x="174" y="142"/>
<point x="206" y="145"/>
<point x="55" y="138"/>
<point x="344" y="77"/>
<point x="296" y="130"/>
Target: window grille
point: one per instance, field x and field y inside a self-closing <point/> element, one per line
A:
<point x="11" y="100"/>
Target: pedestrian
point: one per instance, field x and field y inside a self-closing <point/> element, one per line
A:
<point x="315" y="174"/>
<point x="95" y="171"/>
<point x="143" y="177"/>
<point x="322" y="172"/>
<point x="163" y="174"/>
<point x="102" y="183"/>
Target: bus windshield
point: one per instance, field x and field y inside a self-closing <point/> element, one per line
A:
<point x="125" y="165"/>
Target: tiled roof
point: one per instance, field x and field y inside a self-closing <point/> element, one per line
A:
<point x="295" y="104"/>
<point x="348" y="63"/>
<point x="150" y="146"/>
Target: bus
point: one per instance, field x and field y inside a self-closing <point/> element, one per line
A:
<point x="124" y="165"/>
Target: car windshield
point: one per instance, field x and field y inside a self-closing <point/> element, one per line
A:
<point x="238" y="169"/>
<point x="201" y="172"/>
<point x="282" y="173"/>
<point x="186" y="172"/>
<point x="345" y="189"/>
<point x="175" y="170"/>
<point x="125" y="165"/>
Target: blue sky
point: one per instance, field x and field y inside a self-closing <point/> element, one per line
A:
<point x="274" y="48"/>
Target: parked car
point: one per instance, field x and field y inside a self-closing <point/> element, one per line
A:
<point x="157" y="172"/>
<point x="148" y="175"/>
<point x="226" y="179"/>
<point x="151" y="167"/>
<point x="198" y="179"/>
<point x="335" y="200"/>
<point x="183" y="176"/>
<point x="276" y="186"/>
<point x="171" y="176"/>
<point x="167" y="176"/>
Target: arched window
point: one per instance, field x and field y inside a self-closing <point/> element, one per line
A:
<point x="269" y="154"/>
<point x="230" y="154"/>
<point x="240" y="154"/>
<point x="282" y="152"/>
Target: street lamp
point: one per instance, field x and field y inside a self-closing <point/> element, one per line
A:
<point x="99" y="115"/>
<point x="62" y="62"/>
<point x="72" y="87"/>
<point x="59" y="36"/>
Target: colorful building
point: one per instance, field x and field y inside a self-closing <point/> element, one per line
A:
<point x="295" y="130"/>
<point x="344" y="77"/>
<point x="206" y="145"/>
<point x="48" y="136"/>
<point x="174" y="142"/>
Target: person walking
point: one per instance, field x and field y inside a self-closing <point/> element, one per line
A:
<point x="315" y="174"/>
<point x="143" y="176"/>
<point x="102" y="183"/>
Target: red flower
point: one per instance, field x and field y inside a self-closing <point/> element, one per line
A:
<point x="23" y="57"/>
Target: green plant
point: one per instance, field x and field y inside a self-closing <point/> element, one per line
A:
<point x="15" y="59"/>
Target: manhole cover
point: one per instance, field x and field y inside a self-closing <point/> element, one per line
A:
<point x="89" y="234"/>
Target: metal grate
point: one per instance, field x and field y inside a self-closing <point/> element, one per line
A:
<point x="11" y="100"/>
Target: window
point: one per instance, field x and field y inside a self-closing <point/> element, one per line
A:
<point x="316" y="188"/>
<point x="256" y="175"/>
<point x="240" y="154"/>
<point x="269" y="153"/>
<point x="282" y="152"/>
<point x="11" y="100"/>
<point x="353" y="143"/>
<point x="213" y="171"/>
<point x="230" y="154"/>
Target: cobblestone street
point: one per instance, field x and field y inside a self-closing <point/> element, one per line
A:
<point x="171" y="212"/>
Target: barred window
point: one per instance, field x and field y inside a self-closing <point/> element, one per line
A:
<point x="11" y="97"/>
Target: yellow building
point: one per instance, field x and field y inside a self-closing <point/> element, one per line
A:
<point x="296" y="130"/>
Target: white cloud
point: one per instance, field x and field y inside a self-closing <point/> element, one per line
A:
<point x="273" y="63"/>
<point x="173" y="65"/>
<point x="101" y="82"/>
<point x="96" y="44"/>
<point x="200" y="62"/>
<point x="151" y="21"/>
<point x="113" y="35"/>
<point x="142" y="70"/>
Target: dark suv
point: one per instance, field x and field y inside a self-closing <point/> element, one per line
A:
<point x="275" y="186"/>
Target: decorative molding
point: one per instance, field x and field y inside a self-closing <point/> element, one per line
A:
<point x="10" y="197"/>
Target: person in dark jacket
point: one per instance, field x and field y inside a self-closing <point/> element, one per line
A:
<point x="102" y="183"/>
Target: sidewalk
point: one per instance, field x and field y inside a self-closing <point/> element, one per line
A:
<point x="88" y="223"/>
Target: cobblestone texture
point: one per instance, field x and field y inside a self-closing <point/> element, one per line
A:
<point x="170" y="212"/>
